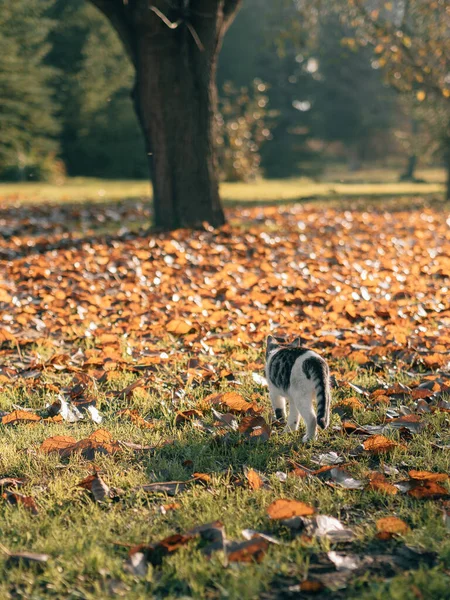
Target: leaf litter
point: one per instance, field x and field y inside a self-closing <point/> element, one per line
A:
<point x="382" y="329"/>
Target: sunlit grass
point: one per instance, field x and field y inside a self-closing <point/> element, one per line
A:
<point x="333" y="184"/>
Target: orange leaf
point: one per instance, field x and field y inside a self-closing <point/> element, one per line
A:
<point x="179" y="327"/>
<point x="57" y="443"/>
<point x="254" y="479"/>
<point x="428" y="489"/>
<point x="427" y="476"/>
<point x="101" y="436"/>
<point x="249" y="551"/>
<point x="389" y="526"/>
<point x="19" y="416"/>
<point x="379" y="443"/>
<point x="285" y="509"/>
<point x="235" y="402"/>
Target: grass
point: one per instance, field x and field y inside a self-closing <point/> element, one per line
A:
<point x="83" y="537"/>
<point x="333" y="184"/>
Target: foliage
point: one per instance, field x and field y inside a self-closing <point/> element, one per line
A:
<point x="164" y="336"/>
<point x="100" y="133"/>
<point x="27" y="111"/>
<point x="243" y="125"/>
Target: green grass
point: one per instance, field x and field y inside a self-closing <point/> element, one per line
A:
<point x="80" y="535"/>
<point x="333" y="184"/>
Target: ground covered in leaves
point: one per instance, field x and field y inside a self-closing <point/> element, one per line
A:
<point x="138" y="456"/>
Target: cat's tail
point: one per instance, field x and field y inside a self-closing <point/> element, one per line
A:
<point x="316" y="369"/>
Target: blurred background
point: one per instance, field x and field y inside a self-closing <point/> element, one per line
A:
<point x="304" y="92"/>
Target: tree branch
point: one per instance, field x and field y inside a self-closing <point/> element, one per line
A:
<point x="230" y="8"/>
<point x="116" y="12"/>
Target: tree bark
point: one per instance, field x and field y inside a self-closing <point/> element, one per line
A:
<point x="408" y="173"/>
<point x="174" y="47"/>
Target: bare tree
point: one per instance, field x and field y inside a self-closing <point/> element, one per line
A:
<point x="174" y="46"/>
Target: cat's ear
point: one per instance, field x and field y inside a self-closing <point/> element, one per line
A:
<point x="270" y="340"/>
<point x="297" y="342"/>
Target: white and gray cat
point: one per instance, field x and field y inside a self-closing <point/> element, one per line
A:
<point x="298" y="375"/>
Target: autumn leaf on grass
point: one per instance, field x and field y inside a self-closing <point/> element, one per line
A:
<point x="26" y="501"/>
<point x="427" y="476"/>
<point x="57" y="443"/>
<point x="171" y="488"/>
<point x="99" y="489"/>
<point x="234" y="402"/>
<point x="183" y="416"/>
<point x="19" y="416"/>
<point x="249" y="551"/>
<point x="165" y="508"/>
<point x="180" y="327"/>
<point x="254" y="479"/>
<point x="136" y="418"/>
<point x="427" y="489"/>
<point x="139" y="557"/>
<point x="348" y="406"/>
<point x="203" y="478"/>
<point x="379" y="483"/>
<point x="387" y="527"/>
<point x="377" y="444"/>
<point x="285" y="509"/>
<point x="412" y="423"/>
<point x="100" y="441"/>
<point x="255" y="429"/>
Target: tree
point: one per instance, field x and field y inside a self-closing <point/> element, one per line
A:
<point x="100" y="135"/>
<point x="410" y="39"/>
<point x="27" y="121"/>
<point x="174" y="47"/>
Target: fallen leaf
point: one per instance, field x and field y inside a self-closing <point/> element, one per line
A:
<point x="255" y="429"/>
<point x="387" y="527"/>
<point x="180" y="327"/>
<point x="171" y="488"/>
<point x="234" y="402"/>
<point x="254" y="479"/>
<point x="186" y="415"/>
<point x="285" y="509"/>
<point x="379" y="443"/>
<point x="249" y="551"/>
<point x="19" y="416"/>
<point x="27" y="501"/>
<point x="427" y="476"/>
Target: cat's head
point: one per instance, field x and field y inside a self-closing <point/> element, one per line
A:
<point x="276" y="341"/>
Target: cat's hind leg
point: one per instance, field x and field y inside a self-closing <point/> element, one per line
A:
<point x="294" y="417"/>
<point x="278" y="403"/>
<point x="306" y="409"/>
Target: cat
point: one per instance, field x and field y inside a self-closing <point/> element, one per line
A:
<point x="298" y="374"/>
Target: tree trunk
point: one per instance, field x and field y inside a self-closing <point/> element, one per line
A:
<point x="408" y="174"/>
<point x="175" y="54"/>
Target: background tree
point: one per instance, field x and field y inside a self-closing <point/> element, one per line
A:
<point x="410" y="39"/>
<point x="174" y="48"/>
<point x="100" y="135"/>
<point x="27" y="111"/>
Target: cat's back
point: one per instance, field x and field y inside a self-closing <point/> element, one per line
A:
<point x="286" y="361"/>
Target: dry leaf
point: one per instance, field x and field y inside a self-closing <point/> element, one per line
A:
<point x="255" y="481"/>
<point x="387" y="527"/>
<point x="379" y="443"/>
<point x="285" y="509"/>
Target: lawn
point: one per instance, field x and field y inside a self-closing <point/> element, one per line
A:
<point x="163" y="335"/>
<point x="334" y="183"/>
